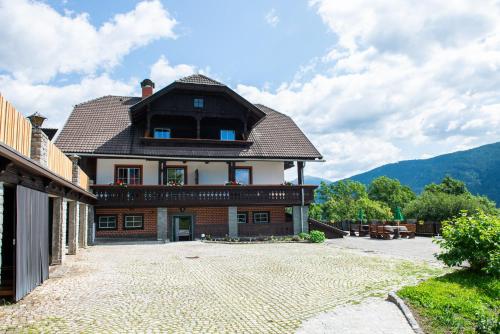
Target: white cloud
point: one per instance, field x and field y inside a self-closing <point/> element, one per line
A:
<point x="38" y="42"/>
<point x="56" y="102"/>
<point x="405" y="80"/>
<point x="272" y="18"/>
<point x="162" y="73"/>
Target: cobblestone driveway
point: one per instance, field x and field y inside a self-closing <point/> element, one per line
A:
<point x="203" y="288"/>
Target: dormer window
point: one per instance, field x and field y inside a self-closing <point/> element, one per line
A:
<point x="162" y="133"/>
<point x="198" y="103"/>
<point x="227" y="135"/>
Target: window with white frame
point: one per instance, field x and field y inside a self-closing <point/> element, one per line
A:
<point x="261" y="217"/>
<point x="227" y="135"/>
<point x="242" y="217"/>
<point x="162" y="133"/>
<point x="176" y="175"/>
<point x="106" y="222"/>
<point x="134" y="222"/>
<point x="128" y="175"/>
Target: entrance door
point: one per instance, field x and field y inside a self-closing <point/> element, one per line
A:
<point x="182" y="227"/>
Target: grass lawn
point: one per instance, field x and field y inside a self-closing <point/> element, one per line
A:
<point x="459" y="302"/>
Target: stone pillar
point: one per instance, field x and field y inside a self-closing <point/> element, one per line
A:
<point x="82" y="226"/>
<point x="300" y="225"/>
<point x="39" y="146"/>
<point x="1" y="224"/>
<point x="73" y="227"/>
<point x="90" y="225"/>
<point x="232" y="217"/>
<point x="161" y="224"/>
<point x="75" y="176"/>
<point x="58" y="231"/>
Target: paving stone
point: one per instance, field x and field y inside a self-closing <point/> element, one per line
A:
<point x="161" y="288"/>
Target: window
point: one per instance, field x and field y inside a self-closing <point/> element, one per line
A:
<point x="243" y="175"/>
<point x="162" y="133"/>
<point x="128" y="174"/>
<point x="198" y="103"/>
<point x="227" y="135"/>
<point x="242" y="217"/>
<point x="261" y="217"/>
<point x="133" y="222"/>
<point x="106" y="222"/>
<point x="176" y="175"/>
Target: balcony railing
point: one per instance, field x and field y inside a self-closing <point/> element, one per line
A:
<point x="201" y="195"/>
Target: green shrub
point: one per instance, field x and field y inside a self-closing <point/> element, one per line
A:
<point x="473" y="238"/>
<point x="304" y="236"/>
<point x="317" y="236"/>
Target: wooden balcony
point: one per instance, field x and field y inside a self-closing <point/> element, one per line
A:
<point x="201" y="195"/>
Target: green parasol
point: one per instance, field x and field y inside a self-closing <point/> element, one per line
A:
<point x="361" y="215"/>
<point x="398" y="216"/>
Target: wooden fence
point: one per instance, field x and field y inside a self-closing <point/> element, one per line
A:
<point x="59" y="163"/>
<point x="15" y="130"/>
<point x="83" y="179"/>
<point x="427" y="228"/>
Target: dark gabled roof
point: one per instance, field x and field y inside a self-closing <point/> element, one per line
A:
<point x="195" y="82"/>
<point x="200" y="79"/>
<point x="102" y="126"/>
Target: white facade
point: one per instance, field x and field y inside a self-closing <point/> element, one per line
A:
<point x="211" y="173"/>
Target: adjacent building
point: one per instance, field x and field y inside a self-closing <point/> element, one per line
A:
<point x="191" y="159"/>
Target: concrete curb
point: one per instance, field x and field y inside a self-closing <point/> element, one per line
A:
<point x="393" y="297"/>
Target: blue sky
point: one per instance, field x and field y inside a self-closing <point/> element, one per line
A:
<point x="369" y="81"/>
<point x="231" y="38"/>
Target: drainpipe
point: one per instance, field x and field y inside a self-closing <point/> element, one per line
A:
<point x="302" y="209"/>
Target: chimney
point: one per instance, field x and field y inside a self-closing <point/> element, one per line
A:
<point x="147" y="88"/>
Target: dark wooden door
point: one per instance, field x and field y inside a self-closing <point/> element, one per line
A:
<point x="32" y="240"/>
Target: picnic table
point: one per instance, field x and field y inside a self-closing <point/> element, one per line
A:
<point x="386" y="231"/>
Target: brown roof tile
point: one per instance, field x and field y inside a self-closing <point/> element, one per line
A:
<point x="102" y="126"/>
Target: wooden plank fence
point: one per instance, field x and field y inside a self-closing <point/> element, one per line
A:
<point x="83" y="179"/>
<point x="15" y="129"/>
<point x="59" y="163"/>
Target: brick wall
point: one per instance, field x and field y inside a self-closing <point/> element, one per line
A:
<point x="212" y="221"/>
<point x="209" y="221"/>
<point x="278" y="225"/>
<point x="149" y="220"/>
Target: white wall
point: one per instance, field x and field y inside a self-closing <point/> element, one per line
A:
<point x="263" y="172"/>
<point x="106" y="170"/>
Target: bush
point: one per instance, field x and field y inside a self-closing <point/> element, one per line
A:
<point x="317" y="236"/>
<point x="304" y="236"/>
<point x="472" y="238"/>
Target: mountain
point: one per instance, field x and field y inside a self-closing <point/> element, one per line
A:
<point x="479" y="168"/>
<point x="314" y="180"/>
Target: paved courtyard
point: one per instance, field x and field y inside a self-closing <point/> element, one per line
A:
<point x="196" y="287"/>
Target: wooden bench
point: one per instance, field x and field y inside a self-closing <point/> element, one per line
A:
<point x="379" y="232"/>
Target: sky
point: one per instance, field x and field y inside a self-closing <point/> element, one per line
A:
<point x="369" y="81"/>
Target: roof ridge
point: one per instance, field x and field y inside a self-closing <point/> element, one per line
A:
<point x="195" y="79"/>
<point x="104" y="97"/>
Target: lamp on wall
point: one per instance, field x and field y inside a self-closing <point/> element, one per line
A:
<point x="182" y="209"/>
<point x="36" y="119"/>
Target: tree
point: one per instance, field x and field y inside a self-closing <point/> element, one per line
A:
<point x="439" y="206"/>
<point x="449" y="185"/>
<point x="391" y="192"/>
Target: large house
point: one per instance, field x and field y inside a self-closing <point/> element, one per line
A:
<point x="192" y="159"/>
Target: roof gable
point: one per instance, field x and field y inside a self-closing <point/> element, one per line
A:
<point x="196" y="83"/>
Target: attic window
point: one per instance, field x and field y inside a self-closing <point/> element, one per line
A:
<point x="162" y="133"/>
<point x="227" y="135"/>
<point x="198" y="103"/>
